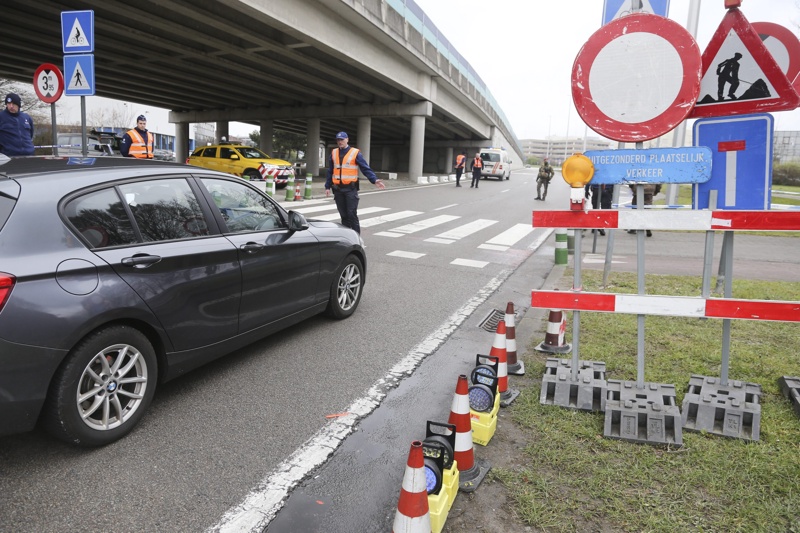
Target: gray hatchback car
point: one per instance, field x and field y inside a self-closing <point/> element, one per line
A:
<point x="118" y="274"/>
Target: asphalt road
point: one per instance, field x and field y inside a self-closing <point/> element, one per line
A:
<point x="219" y="441"/>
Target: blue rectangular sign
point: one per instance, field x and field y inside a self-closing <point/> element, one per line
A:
<point x="613" y="9"/>
<point x="77" y="31"/>
<point x="741" y="148"/>
<point x="79" y="75"/>
<point x="653" y="165"/>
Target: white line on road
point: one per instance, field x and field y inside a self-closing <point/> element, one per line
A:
<point x="405" y="255"/>
<point x="512" y="235"/>
<point x="368" y="210"/>
<point x="374" y="221"/>
<point x="262" y="504"/>
<point x="469" y="263"/>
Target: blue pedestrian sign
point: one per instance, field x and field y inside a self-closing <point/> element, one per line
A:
<point x="688" y="164"/>
<point x="79" y="75"/>
<point x="614" y="9"/>
<point x="77" y="31"/>
<point x="741" y="175"/>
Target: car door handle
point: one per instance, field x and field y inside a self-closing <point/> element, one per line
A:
<point x="251" y="247"/>
<point x="141" y="260"/>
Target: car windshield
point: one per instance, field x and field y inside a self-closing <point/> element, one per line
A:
<point x="253" y="153"/>
<point x="490" y="156"/>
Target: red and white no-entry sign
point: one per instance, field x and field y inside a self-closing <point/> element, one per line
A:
<point x="637" y="78"/>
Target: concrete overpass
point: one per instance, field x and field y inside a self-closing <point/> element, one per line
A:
<point x="378" y="69"/>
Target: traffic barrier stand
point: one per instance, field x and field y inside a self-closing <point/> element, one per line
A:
<point x="298" y="195"/>
<point x="484" y="399"/>
<point x="554" y="337"/>
<point x="441" y="471"/>
<point x="471" y="471"/>
<point x="515" y="367"/>
<point x="790" y="388"/>
<point x="585" y="389"/>
<point x="308" y="195"/>
<point x="507" y="394"/>
<point x="290" y="189"/>
<point x="732" y="410"/>
<point x="647" y="414"/>
<point x="412" y="514"/>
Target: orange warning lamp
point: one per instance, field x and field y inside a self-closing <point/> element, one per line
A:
<point x="577" y="170"/>
<point x="732" y="3"/>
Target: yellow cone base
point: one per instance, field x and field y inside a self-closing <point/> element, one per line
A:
<point x="484" y="425"/>
<point x="439" y="504"/>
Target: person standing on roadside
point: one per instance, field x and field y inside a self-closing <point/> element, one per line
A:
<point x="461" y="162"/>
<point x="477" y="167"/>
<point x="601" y="196"/>
<point x="343" y="166"/>
<point x="546" y="173"/>
<point x="16" y="128"/>
<point x="138" y="142"/>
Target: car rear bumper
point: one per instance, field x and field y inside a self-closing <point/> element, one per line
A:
<point x="25" y="374"/>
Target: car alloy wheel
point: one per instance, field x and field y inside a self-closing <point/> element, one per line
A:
<point x="346" y="288"/>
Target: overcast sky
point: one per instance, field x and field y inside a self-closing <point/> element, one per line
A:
<point x="524" y="51"/>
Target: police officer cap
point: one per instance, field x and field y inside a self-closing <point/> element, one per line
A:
<point x="12" y="98"/>
<point x="341" y="135"/>
<point x="141" y="117"/>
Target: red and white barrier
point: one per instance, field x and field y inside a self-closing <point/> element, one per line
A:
<point x="677" y="220"/>
<point x="686" y="306"/>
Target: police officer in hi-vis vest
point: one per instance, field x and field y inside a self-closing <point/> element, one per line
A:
<point x="343" y="166"/>
<point x="138" y="142"/>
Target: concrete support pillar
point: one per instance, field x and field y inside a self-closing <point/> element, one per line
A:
<point x="181" y="141"/>
<point x="449" y="161"/>
<point x="266" y="131"/>
<point x="364" y="136"/>
<point x="416" y="147"/>
<point x="222" y="131"/>
<point x="312" y="147"/>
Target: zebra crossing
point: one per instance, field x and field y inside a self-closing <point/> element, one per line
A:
<point x="500" y="241"/>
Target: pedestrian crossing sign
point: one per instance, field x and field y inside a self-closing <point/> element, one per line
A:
<point x="77" y="31"/>
<point x="79" y="75"/>
<point x="739" y="75"/>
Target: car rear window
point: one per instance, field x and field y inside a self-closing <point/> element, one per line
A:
<point x="6" y="206"/>
<point x="100" y="217"/>
<point x="489" y="156"/>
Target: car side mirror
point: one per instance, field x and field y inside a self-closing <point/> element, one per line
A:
<point x="297" y="222"/>
<point x="234" y="156"/>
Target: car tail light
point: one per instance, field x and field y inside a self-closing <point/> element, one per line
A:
<point x="6" y="284"/>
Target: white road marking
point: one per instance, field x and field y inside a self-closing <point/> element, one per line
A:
<point x="259" y="507"/>
<point x="437" y="240"/>
<point x="467" y="229"/>
<point x="445" y="207"/>
<point x="391" y="217"/>
<point x="305" y="210"/>
<point x="512" y="235"/>
<point x="388" y="234"/>
<point x="406" y="255"/>
<point x="493" y="247"/>
<point x="424" y="224"/>
<point x="368" y="210"/>
<point x="469" y="263"/>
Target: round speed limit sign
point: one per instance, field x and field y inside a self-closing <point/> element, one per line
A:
<point x="48" y="82"/>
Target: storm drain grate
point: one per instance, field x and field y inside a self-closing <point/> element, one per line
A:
<point x="492" y="319"/>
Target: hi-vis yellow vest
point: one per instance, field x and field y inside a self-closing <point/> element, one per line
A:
<point x="345" y="172"/>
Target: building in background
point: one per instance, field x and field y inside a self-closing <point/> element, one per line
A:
<point x="559" y="148"/>
<point x="786" y="147"/>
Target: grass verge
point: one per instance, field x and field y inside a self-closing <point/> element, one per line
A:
<point x="572" y="478"/>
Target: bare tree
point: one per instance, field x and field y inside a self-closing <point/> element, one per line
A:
<point x="31" y="104"/>
<point x="113" y="117"/>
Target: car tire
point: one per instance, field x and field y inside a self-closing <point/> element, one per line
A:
<point x="251" y="174"/>
<point x="346" y="289"/>
<point x="115" y="371"/>
<point x="508" y="177"/>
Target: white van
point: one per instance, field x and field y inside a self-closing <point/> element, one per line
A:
<point x="496" y="163"/>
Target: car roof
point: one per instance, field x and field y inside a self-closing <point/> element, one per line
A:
<point x="18" y="167"/>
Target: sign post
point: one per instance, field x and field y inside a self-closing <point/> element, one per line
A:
<point x="77" y="38"/>
<point x="49" y="86"/>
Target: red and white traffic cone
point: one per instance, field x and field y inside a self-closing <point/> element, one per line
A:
<point x="556" y="330"/>
<point x="298" y="196"/>
<point x="515" y="367"/>
<point x="499" y="350"/>
<point x="470" y="471"/>
<point x="412" y="514"/>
